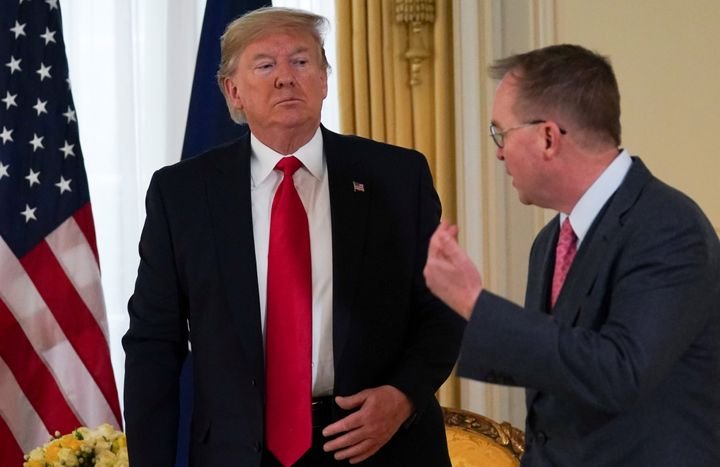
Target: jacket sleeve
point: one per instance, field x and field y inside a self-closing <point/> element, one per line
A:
<point x="655" y="293"/>
<point x="436" y="331"/>
<point x="156" y="342"/>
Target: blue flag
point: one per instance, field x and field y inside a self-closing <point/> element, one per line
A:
<point x="208" y="124"/>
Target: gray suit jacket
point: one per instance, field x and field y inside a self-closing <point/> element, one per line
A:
<point x="197" y="264"/>
<point x="626" y="369"/>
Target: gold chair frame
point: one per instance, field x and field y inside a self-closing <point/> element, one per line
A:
<point x="462" y="426"/>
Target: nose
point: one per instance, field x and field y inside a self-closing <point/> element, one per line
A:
<point x="282" y="81"/>
<point x="284" y="77"/>
<point x="499" y="154"/>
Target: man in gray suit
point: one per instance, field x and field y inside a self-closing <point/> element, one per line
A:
<point x="618" y="344"/>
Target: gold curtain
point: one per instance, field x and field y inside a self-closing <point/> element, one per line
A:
<point x="395" y="79"/>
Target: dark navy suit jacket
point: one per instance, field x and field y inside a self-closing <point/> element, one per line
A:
<point x="197" y="265"/>
<point x="626" y="369"/>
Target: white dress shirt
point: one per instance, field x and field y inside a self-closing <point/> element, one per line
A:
<point x="311" y="183"/>
<point x="593" y="200"/>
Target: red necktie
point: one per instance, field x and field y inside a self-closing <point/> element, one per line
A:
<point x="288" y="335"/>
<point x="564" y="255"/>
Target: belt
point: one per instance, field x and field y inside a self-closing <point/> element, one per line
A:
<point x="322" y="411"/>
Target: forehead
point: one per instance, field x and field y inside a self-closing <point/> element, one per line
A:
<point x="505" y="98"/>
<point x="280" y="42"/>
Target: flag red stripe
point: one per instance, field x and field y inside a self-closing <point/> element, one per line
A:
<point x="33" y="376"/>
<point x="10" y="452"/>
<point x="84" y="219"/>
<point x="74" y="318"/>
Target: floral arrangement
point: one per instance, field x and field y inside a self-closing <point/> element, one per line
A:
<point x="101" y="447"/>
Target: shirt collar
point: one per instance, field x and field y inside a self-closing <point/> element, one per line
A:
<point x="593" y="200"/>
<point x="263" y="159"/>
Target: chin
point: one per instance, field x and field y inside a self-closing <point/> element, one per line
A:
<point x="295" y="121"/>
<point x="524" y="199"/>
<point x="291" y="115"/>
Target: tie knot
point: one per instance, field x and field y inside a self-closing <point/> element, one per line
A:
<point x="566" y="231"/>
<point x="288" y="165"/>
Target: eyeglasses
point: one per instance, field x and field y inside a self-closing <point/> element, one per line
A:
<point x="498" y="137"/>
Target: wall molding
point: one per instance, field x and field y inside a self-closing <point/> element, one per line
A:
<point x="495" y="228"/>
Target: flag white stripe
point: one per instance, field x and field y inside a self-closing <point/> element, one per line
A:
<point x="79" y="387"/>
<point x="18" y="413"/>
<point x="77" y="260"/>
<point x="50" y="343"/>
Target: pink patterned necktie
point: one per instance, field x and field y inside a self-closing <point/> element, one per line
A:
<point x="288" y="334"/>
<point x="564" y="255"/>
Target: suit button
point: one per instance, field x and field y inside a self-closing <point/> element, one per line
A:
<point x="253" y="382"/>
<point x="541" y="437"/>
<point x="258" y="446"/>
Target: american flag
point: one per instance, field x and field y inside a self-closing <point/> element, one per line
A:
<point x="55" y="372"/>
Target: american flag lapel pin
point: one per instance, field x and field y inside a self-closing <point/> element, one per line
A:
<point x="358" y="187"/>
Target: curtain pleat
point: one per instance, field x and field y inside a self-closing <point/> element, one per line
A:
<point x="378" y="101"/>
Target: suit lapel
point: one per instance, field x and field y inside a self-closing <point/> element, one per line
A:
<point x="231" y="218"/>
<point x="584" y="271"/>
<point x="350" y="192"/>
<point x="537" y="297"/>
<point x="603" y="234"/>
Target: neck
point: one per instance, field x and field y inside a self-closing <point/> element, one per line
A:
<point x="285" y="140"/>
<point x="587" y="169"/>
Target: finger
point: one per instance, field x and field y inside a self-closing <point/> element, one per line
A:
<point x="345" y="441"/>
<point x="358" y="452"/>
<point x="345" y="424"/>
<point x="447" y="235"/>
<point x="440" y="243"/>
<point x="351" y="402"/>
<point x="449" y="246"/>
<point x="446" y="229"/>
<point x="434" y="245"/>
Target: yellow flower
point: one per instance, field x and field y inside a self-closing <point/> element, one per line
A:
<point x="101" y="447"/>
<point x="51" y="452"/>
<point x="119" y="443"/>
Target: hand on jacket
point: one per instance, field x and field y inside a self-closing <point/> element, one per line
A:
<point x="379" y="412"/>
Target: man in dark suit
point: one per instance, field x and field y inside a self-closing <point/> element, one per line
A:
<point x="375" y="344"/>
<point x="618" y="344"/>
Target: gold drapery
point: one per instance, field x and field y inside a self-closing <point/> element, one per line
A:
<point x="395" y="79"/>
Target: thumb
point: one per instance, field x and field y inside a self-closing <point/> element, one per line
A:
<point x="351" y="402"/>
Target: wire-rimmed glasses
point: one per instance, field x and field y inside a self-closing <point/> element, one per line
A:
<point x="498" y="137"/>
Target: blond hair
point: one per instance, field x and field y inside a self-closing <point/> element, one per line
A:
<point x="259" y="23"/>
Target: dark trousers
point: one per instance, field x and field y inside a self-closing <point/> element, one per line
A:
<point x="315" y="456"/>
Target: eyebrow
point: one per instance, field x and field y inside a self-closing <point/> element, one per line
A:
<point x="300" y="49"/>
<point x="262" y="55"/>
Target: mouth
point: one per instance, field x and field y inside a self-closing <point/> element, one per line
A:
<point x="289" y="100"/>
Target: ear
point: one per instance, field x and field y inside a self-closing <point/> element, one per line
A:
<point x="552" y="138"/>
<point x="324" y="81"/>
<point x="232" y="91"/>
